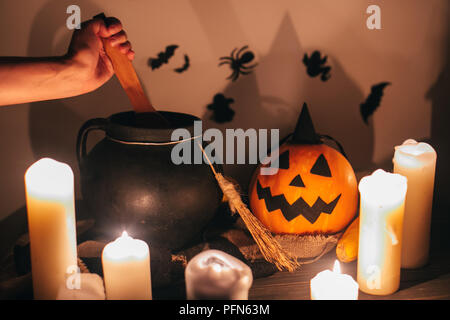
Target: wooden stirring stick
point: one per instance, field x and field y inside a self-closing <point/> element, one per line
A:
<point x="127" y="76"/>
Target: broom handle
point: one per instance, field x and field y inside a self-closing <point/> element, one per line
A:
<point x="207" y="159"/>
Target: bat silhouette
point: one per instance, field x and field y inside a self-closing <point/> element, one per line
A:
<point x="315" y="65"/>
<point x="185" y="66"/>
<point x="372" y="102"/>
<point x="163" y="57"/>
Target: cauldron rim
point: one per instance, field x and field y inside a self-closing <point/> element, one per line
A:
<point x="122" y="126"/>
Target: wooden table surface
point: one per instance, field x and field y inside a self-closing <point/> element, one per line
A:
<point x="430" y="282"/>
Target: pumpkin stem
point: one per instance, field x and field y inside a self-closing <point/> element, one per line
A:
<point x="304" y="131"/>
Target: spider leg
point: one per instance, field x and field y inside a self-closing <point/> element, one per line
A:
<point x="233" y="76"/>
<point x="249" y="67"/>
<point x="245" y="72"/>
<point x="225" y="62"/>
<point x="225" y="58"/>
<point x="232" y="54"/>
<point x="236" y="75"/>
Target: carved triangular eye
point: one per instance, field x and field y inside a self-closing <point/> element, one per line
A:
<point x="283" y="160"/>
<point x="321" y="167"/>
<point x="297" y="182"/>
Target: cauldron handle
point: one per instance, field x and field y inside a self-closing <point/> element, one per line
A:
<point x="92" y="124"/>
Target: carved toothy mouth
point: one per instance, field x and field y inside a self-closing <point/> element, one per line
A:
<point x="299" y="207"/>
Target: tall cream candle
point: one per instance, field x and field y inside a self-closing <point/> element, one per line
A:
<point x="380" y="232"/>
<point x="417" y="162"/>
<point x="126" y="269"/>
<point x="51" y="222"/>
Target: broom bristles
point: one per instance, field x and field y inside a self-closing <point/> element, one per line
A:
<point x="269" y="246"/>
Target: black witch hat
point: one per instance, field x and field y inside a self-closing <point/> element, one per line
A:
<point x="304" y="130"/>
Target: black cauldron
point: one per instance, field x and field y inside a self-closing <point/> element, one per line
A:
<point x="129" y="181"/>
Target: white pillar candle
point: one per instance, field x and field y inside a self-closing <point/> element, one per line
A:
<point x="213" y="274"/>
<point x="380" y="232"/>
<point x="126" y="269"/>
<point x="417" y="162"/>
<point x="333" y="285"/>
<point x="49" y="186"/>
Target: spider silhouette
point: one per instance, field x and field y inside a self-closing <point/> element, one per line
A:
<point x="238" y="63"/>
<point x="315" y="65"/>
<point x="221" y="108"/>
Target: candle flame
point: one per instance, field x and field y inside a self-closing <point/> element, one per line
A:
<point x="125" y="247"/>
<point x="337" y="267"/>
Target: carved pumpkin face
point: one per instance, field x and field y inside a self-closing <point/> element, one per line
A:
<point x="314" y="191"/>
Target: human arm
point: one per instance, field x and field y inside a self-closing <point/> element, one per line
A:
<point x="84" y="67"/>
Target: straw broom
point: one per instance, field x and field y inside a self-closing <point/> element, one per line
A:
<point x="268" y="245"/>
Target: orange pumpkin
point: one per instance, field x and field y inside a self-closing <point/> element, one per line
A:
<point x="314" y="190"/>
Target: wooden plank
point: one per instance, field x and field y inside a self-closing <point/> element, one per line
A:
<point x="436" y="289"/>
<point x="429" y="282"/>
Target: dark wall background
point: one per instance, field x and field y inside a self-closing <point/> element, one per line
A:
<point x="411" y="51"/>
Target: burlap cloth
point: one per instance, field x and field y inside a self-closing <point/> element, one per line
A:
<point x="307" y="248"/>
<point x="237" y="241"/>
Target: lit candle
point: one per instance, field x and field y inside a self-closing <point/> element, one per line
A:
<point x="332" y="285"/>
<point x="126" y="269"/>
<point x="417" y="162"/>
<point x="49" y="186"/>
<point x="380" y="232"/>
<point x="213" y="274"/>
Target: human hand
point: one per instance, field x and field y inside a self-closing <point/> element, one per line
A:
<point x="86" y="55"/>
